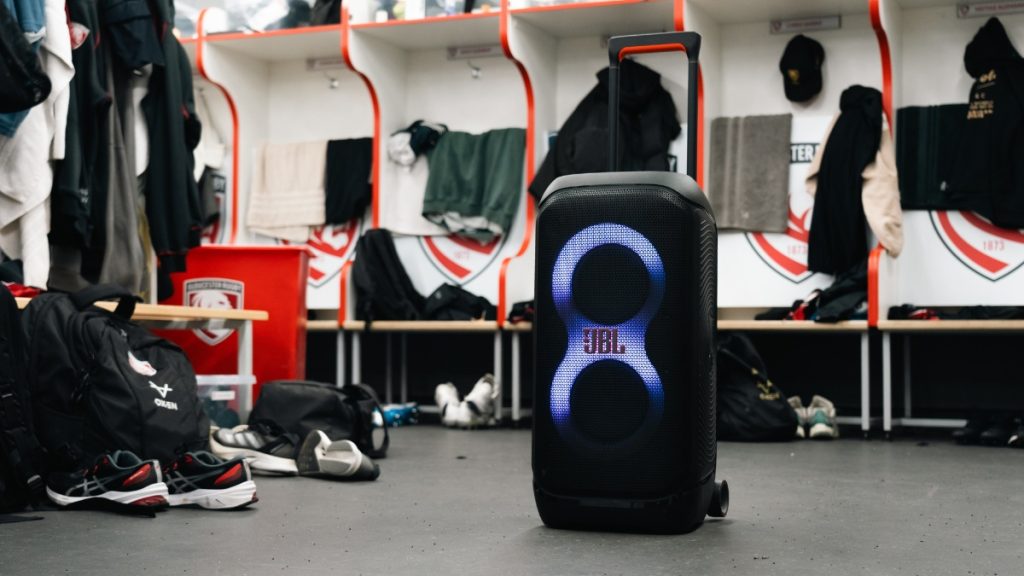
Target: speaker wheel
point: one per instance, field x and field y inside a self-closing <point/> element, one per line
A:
<point x="719" y="506"/>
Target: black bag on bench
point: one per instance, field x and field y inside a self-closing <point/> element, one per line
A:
<point x="100" y="382"/>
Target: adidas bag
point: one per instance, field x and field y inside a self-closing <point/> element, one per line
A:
<point x="21" y="457"/>
<point x="101" y="383"/>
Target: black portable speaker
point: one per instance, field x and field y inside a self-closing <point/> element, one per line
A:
<point x="624" y="417"/>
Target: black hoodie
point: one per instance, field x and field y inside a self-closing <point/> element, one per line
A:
<point x="988" y="176"/>
<point x="647" y="125"/>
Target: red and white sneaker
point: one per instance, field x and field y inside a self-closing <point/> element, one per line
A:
<point x="119" y="477"/>
<point x="204" y="480"/>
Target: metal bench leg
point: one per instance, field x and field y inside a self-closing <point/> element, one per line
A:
<point x="245" y="362"/>
<point x="516" y="381"/>
<point x="887" y="384"/>
<point x="865" y="385"/>
<point x="357" y="361"/>
<point x="497" y="376"/>
<point x="387" y="370"/>
<point x="907" y="411"/>
<point x="404" y="374"/>
<point x="339" y="376"/>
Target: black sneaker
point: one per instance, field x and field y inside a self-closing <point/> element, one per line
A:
<point x="119" y="477"/>
<point x="265" y="446"/>
<point x="202" y="479"/>
<point x="999" y="433"/>
<point x="1017" y="438"/>
<point x="971" y="433"/>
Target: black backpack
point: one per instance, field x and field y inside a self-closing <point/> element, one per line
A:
<point x="383" y="289"/>
<point x="21" y="457"/>
<point x="750" y="407"/>
<point x="450" y="302"/>
<point x="101" y="383"/>
<point x="346" y="413"/>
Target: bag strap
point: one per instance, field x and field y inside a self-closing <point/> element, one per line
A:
<point x="757" y="374"/>
<point x="368" y="392"/>
<point x="88" y="296"/>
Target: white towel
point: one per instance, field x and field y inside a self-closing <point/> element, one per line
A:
<point x="287" y="196"/>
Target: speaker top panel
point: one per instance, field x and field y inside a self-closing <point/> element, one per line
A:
<point x="680" y="183"/>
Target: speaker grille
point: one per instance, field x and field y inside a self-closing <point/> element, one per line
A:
<point x="675" y="444"/>
<point x="706" y="437"/>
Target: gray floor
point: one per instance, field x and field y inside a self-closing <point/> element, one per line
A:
<point x="451" y="502"/>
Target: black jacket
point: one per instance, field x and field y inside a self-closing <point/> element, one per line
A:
<point x="172" y="197"/>
<point x="989" y="170"/>
<point x="838" y="237"/>
<point x="648" y="123"/>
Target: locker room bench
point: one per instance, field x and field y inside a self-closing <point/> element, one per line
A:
<point x="929" y="274"/>
<point x="193" y="318"/>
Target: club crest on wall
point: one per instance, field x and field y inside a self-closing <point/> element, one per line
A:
<point x="988" y="250"/>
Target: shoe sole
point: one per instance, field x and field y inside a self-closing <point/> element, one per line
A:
<point x="314" y="459"/>
<point x="308" y="460"/>
<point x="822" y="432"/>
<point x="237" y="496"/>
<point x="152" y="496"/>
<point x="258" y="461"/>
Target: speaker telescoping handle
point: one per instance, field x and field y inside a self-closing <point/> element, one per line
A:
<point x="620" y="47"/>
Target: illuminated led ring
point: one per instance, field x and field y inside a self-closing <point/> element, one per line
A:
<point x="631" y="333"/>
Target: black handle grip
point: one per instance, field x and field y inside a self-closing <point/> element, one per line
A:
<point x="620" y="47"/>
<point x="88" y="296"/>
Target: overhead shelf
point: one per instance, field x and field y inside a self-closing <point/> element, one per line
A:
<point x="608" y="18"/>
<point x="281" y="45"/>
<point x="437" y="32"/>
<point x="746" y="11"/>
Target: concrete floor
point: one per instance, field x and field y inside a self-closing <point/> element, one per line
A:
<point x="452" y="502"/>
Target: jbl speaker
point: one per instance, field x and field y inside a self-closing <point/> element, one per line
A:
<point x="624" y="408"/>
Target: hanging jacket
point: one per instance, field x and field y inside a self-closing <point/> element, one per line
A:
<point x="172" y="197"/>
<point x="988" y="174"/>
<point x="648" y="124"/>
<point x="853" y="179"/>
<point x="26" y="176"/>
<point x="31" y="18"/>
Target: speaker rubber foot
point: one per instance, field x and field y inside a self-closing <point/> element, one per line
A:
<point x="719" y="506"/>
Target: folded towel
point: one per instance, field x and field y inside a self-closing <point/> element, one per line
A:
<point x="287" y="193"/>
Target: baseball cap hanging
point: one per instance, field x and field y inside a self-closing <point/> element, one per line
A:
<point x="801" y="68"/>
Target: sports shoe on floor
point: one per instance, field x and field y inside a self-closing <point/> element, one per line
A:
<point x="801" y="416"/>
<point x="117" y="477"/>
<point x="203" y="479"/>
<point x="447" y="399"/>
<point x="999" y="433"/>
<point x="1017" y="438"/>
<point x="320" y="456"/>
<point x="265" y="446"/>
<point x="821" y="419"/>
<point x="971" y="432"/>
<point x="477" y="409"/>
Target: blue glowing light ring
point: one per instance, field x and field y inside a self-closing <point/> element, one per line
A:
<point x="631" y="333"/>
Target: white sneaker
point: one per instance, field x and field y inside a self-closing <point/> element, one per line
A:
<point x="801" y="416"/>
<point x="447" y="399"/>
<point x="821" y="419"/>
<point x="478" y="408"/>
<point x="319" y="456"/>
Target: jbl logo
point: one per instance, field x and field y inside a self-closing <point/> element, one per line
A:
<point x="602" y="341"/>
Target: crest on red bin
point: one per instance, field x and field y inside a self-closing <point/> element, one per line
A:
<point x="786" y="253"/>
<point x="218" y="293"/>
<point x="330" y="246"/>
<point x="988" y="250"/>
<point x="460" y="259"/>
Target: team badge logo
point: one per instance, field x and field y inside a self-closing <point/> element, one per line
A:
<point x="331" y="246"/>
<point x="786" y="253"/>
<point x="219" y="293"/>
<point x="460" y="259"/>
<point x="988" y="250"/>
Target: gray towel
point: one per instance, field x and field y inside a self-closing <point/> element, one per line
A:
<point x="750" y="172"/>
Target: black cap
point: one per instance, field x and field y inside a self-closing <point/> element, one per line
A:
<point x="801" y="68"/>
